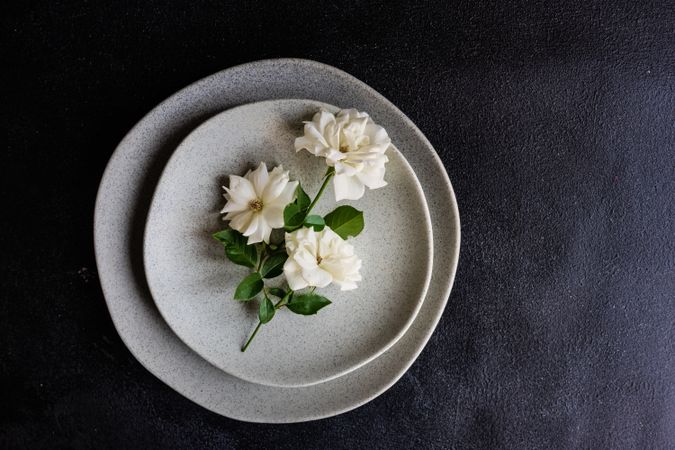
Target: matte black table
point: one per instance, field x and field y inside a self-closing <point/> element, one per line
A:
<point x="555" y="121"/>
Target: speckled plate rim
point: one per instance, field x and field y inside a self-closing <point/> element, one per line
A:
<point x="121" y="206"/>
<point x="267" y="378"/>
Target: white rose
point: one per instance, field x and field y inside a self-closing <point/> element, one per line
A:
<point x="351" y="143"/>
<point x="255" y="202"/>
<point x="320" y="258"/>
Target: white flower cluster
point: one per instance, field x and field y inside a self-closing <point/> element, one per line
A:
<point x="320" y="258"/>
<point x="255" y="202"/>
<point x="355" y="147"/>
<point x="315" y="251"/>
<point x="351" y="143"/>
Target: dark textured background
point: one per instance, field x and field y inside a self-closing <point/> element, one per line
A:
<point x="556" y="124"/>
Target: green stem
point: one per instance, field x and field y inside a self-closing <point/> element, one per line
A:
<point x="262" y="256"/>
<point x="284" y="300"/>
<point x="329" y="175"/>
<point x="276" y="306"/>
<point x="243" y="349"/>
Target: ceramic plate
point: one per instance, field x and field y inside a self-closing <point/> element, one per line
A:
<point x="121" y="209"/>
<point x="193" y="283"/>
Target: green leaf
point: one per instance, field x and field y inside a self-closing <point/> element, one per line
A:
<point x="266" y="311"/>
<point x="345" y="221"/>
<point x="277" y="292"/>
<point x="249" y="287"/>
<point x="289" y="212"/>
<point x="316" y="222"/>
<point x="225" y="237"/>
<point x="302" y="199"/>
<point x="294" y="213"/>
<point x="242" y="254"/>
<point x="274" y="265"/>
<point x="307" y="304"/>
<point x="236" y="249"/>
<point x="293" y="217"/>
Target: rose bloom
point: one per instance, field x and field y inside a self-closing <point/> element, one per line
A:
<point x="255" y="202"/>
<point x="351" y="143"/>
<point x="318" y="258"/>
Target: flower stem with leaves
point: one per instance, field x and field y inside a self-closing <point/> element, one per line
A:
<point x="268" y="260"/>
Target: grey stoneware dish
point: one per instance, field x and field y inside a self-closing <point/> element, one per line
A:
<point x="193" y="284"/>
<point x="121" y="209"/>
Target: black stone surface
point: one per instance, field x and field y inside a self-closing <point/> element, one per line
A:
<point x="555" y="121"/>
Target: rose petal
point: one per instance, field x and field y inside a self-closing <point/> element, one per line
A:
<point x="287" y="194"/>
<point x="347" y="188"/>
<point x="234" y="207"/>
<point x="252" y="225"/>
<point x="276" y="183"/>
<point x="373" y="177"/>
<point x="259" y="179"/>
<point x="240" y="222"/>
<point x="317" y="277"/>
<point x="293" y="274"/>
<point x="241" y="189"/>
<point x="274" y="216"/>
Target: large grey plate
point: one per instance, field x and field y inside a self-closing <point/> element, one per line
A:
<point x="121" y="209"/>
<point x="193" y="284"/>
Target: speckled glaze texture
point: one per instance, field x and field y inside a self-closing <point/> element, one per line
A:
<point x="193" y="284"/>
<point x="121" y="210"/>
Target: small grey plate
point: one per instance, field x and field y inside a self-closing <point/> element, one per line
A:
<point x="193" y="283"/>
<point x="121" y="210"/>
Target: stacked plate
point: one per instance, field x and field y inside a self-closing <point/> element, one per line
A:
<point x="169" y="288"/>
